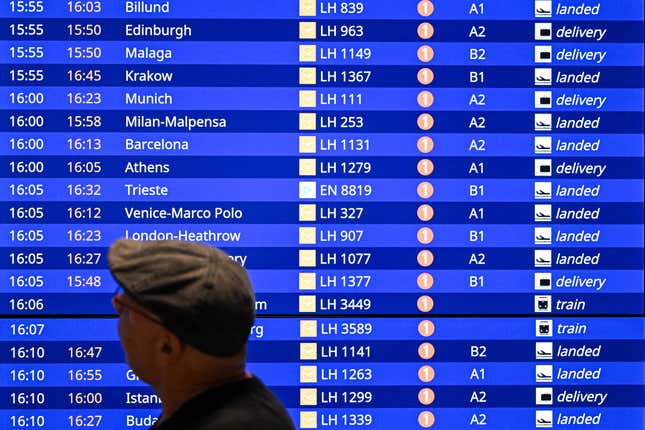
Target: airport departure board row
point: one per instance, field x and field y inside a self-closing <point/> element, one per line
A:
<point x="440" y="203"/>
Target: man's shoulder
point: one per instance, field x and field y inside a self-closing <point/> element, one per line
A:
<point x="246" y="420"/>
<point x="242" y="405"/>
<point x="258" y="417"/>
<point x="250" y="406"/>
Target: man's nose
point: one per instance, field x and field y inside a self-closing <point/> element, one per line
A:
<point x="116" y="303"/>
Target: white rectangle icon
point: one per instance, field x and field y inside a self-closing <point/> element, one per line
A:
<point x="544" y="373"/>
<point x="544" y="328"/>
<point x="544" y="54"/>
<point x="543" y="122"/>
<point x="543" y="167"/>
<point x="543" y="144"/>
<point x="543" y="213"/>
<point x="543" y="190"/>
<point x="543" y="31"/>
<point x="543" y="235"/>
<point x="544" y="350"/>
<point x="542" y="258"/>
<point x="543" y="281"/>
<point x="543" y="419"/>
<point x="542" y="304"/>
<point x="543" y="9"/>
<point x="543" y="76"/>
<point x="544" y="396"/>
<point x="307" y="190"/>
<point x="543" y="99"/>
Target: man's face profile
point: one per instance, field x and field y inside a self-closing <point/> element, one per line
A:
<point x="140" y="332"/>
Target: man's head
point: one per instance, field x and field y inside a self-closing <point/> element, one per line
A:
<point x="181" y="301"/>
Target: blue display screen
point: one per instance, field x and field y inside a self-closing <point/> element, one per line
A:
<point x="440" y="203"/>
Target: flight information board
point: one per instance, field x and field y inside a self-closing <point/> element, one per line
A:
<point x="440" y="203"/>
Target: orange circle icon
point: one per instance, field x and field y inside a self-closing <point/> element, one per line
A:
<point x="425" y="258"/>
<point x="425" y="212"/>
<point x="425" y="144"/>
<point x="425" y="167"/>
<point x="425" y="190"/>
<point x="426" y="350"/>
<point x="426" y="328"/>
<point x="425" y="8"/>
<point x="425" y="99"/>
<point x="426" y="396"/>
<point x="426" y="374"/>
<point x="425" y="53"/>
<point x="425" y="235"/>
<point x="425" y="76"/>
<point x="425" y="281"/>
<point x="425" y="304"/>
<point x="426" y="419"/>
<point x="425" y="121"/>
<point x="425" y="30"/>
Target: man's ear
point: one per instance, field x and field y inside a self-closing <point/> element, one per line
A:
<point x="170" y="345"/>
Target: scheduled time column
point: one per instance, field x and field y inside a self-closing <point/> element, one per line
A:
<point x="35" y="157"/>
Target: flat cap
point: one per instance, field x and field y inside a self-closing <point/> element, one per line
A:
<point x="198" y="292"/>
